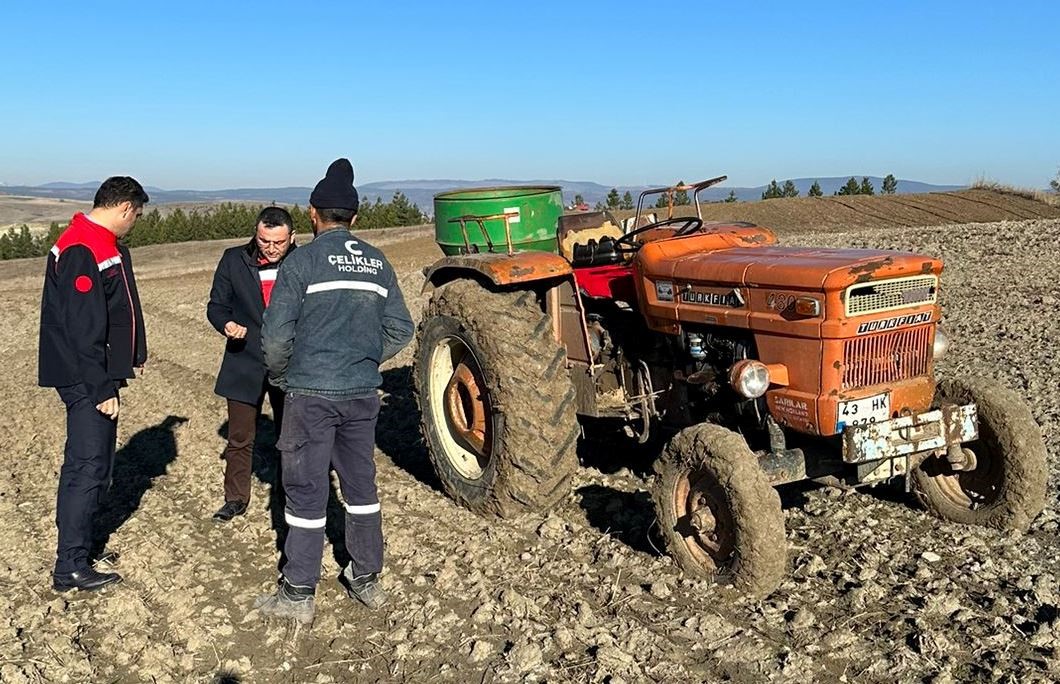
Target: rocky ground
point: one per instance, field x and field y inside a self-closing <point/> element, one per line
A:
<point x="877" y="591"/>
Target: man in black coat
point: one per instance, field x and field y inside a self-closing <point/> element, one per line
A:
<point x="91" y="340"/>
<point x="242" y="286"/>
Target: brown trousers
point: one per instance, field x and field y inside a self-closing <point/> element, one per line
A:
<point x="242" y="428"/>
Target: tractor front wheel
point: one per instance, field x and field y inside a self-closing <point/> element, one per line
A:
<point x="1006" y="488"/>
<point x="718" y="515"/>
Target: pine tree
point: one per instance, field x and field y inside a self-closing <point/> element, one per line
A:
<point x="54" y="231"/>
<point x="579" y="200"/>
<point x="815" y="190"/>
<point x="613" y="200"/>
<point x="866" y="187"/>
<point x="300" y="217"/>
<point x="627" y="200"/>
<point x="681" y="196"/>
<point x="773" y="191"/>
<point x="851" y="188"/>
<point x="1055" y="183"/>
<point x="22" y="244"/>
<point x="731" y="197"/>
<point x="404" y="212"/>
<point x="890" y="184"/>
<point x="789" y="189"/>
<point x="663" y="201"/>
<point x="371" y="215"/>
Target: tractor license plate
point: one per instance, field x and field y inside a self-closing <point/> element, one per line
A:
<point x="861" y="412"/>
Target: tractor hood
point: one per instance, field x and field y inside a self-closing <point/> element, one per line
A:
<point x="701" y="260"/>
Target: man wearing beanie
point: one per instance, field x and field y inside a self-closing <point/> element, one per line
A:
<point x="336" y="314"/>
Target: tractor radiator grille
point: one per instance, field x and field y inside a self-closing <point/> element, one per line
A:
<point x="886" y="295"/>
<point x="888" y="357"/>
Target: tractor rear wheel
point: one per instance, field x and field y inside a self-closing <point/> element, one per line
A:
<point x="718" y="514"/>
<point x="1006" y="489"/>
<point x="496" y="400"/>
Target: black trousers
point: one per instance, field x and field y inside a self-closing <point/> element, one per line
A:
<point x="319" y="434"/>
<point x="242" y="428"/>
<point x="88" y="462"/>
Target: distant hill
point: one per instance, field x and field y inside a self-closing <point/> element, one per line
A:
<point x="421" y="192"/>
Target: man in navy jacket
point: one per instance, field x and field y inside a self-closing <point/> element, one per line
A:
<point x="338" y="313"/>
<point x="91" y="339"/>
<point x="242" y="288"/>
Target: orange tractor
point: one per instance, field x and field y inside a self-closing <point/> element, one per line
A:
<point x="757" y="365"/>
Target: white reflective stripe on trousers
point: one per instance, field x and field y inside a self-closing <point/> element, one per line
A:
<point x="362" y="510"/>
<point x="347" y="285"/>
<point x="304" y="523"/>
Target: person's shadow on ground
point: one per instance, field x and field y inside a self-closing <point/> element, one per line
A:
<point x="143" y="458"/>
<point x="398" y="432"/>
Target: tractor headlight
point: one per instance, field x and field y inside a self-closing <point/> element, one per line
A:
<point x="750" y="378"/>
<point x="942" y="343"/>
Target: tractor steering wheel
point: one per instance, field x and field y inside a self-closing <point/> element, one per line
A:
<point x="689" y="224"/>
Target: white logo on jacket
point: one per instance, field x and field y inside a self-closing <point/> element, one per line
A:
<point x="355" y="261"/>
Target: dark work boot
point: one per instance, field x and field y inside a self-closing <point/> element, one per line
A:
<point x="364" y="588"/>
<point x="85" y="580"/>
<point x="290" y="602"/>
<point x="230" y="510"/>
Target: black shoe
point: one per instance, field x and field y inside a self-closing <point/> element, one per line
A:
<point x="230" y="510"/>
<point x="85" y="580"/>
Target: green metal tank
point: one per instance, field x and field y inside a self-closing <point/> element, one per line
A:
<point x="532" y="213"/>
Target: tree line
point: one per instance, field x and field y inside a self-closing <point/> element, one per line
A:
<point x="625" y="201"/>
<point x="772" y="191"/>
<point x="851" y="187"/>
<point x="227" y="220"/>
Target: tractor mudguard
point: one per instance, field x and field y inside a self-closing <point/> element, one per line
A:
<point x="500" y="269"/>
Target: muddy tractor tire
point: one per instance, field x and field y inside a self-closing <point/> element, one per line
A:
<point x="496" y="400"/>
<point x="1006" y="489"/>
<point x="718" y="515"/>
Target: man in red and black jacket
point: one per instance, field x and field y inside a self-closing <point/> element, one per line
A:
<point x="242" y="286"/>
<point x="91" y="340"/>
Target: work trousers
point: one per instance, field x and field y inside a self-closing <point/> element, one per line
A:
<point x="242" y="428"/>
<point x="88" y="462"/>
<point x="320" y="434"/>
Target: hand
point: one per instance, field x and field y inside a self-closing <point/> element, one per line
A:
<point x="235" y="331"/>
<point x="109" y="408"/>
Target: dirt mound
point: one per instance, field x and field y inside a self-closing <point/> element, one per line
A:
<point x="877" y="589"/>
<point x="799" y="214"/>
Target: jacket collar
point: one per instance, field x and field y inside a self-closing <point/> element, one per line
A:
<point x="97" y="232"/>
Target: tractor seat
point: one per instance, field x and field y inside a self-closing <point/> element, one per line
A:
<point x="588" y="239"/>
<point x="593" y="253"/>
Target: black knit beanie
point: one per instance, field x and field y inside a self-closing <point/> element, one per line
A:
<point x="335" y="190"/>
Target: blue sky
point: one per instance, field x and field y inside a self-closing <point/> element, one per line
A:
<point x="214" y="95"/>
